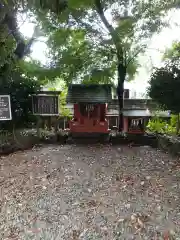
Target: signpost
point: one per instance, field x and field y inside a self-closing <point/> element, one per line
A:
<point x="46" y="104"/>
<point x="5" y="108"/>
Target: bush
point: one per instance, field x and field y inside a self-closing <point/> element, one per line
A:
<point x="158" y="125"/>
<point x="20" y="88"/>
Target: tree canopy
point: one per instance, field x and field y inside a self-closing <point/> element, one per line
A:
<point x="172" y="54"/>
<point x="164" y="85"/>
<point x="87" y="39"/>
<point x="165" y="82"/>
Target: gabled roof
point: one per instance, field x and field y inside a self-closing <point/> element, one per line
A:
<point x="132" y="103"/>
<point x="92" y="93"/>
<point x="50" y="93"/>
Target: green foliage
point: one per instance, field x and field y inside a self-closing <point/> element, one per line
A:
<point x="20" y="88"/>
<point x="173" y="120"/>
<point x="56" y="6"/>
<point x="16" y="76"/>
<point x="64" y="112"/>
<point x="33" y="69"/>
<point x="7" y="46"/>
<point x="82" y="49"/>
<point x="173" y="52"/>
<point x="158" y="125"/>
<point x="172" y="55"/>
<point x="164" y="85"/>
<point x="81" y="46"/>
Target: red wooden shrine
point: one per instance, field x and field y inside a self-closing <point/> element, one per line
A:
<point x="89" y="118"/>
<point x="135" y="125"/>
<point x="94" y="108"/>
<point x="90" y="108"/>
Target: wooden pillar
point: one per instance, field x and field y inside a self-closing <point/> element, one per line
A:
<point x="125" y="124"/>
<point x="99" y="112"/>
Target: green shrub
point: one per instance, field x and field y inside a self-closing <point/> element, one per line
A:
<point x="158" y="125"/>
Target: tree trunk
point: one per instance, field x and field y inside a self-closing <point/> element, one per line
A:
<point x="22" y="48"/>
<point x="120" y="93"/>
<point x="120" y="56"/>
<point x="178" y="124"/>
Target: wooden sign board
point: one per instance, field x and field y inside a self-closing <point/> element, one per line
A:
<point x="45" y="105"/>
<point x="5" y="108"/>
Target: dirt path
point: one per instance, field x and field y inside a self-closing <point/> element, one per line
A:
<point x="89" y="193"/>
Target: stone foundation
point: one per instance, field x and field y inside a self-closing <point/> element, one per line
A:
<point x="22" y="140"/>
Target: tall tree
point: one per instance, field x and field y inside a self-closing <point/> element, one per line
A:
<point x="16" y="75"/>
<point x="164" y="85"/>
<point x="9" y="11"/>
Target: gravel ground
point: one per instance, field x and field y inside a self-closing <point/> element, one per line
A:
<point x="89" y="192"/>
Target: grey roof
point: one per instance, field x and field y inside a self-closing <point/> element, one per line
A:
<point x="134" y="104"/>
<point x="137" y="113"/>
<point x="129" y="112"/>
<point x="94" y="93"/>
<point x="48" y="92"/>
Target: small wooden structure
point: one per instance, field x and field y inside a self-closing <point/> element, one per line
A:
<point x="135" y="121"/>
<point x="45" y="105"/>
<point x="137" y="113"/>
<point x="90" y="109"/>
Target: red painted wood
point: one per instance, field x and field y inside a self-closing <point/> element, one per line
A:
<point x="94" y="122"/>
<point x="135" y="130"/>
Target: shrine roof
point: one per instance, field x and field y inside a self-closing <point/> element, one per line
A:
<point x="94" y="93"/>
<point x="48" y="92"/>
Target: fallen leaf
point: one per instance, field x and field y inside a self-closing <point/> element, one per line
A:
<point x="121" y="220"/>
<point x="34" y="230"/>
<point x="76" y="234"/>
<point x="142" y="183"/>
<point x="128" y="205"/>
<point x="133" y="218"/>
<point x="92" y="203"/>
<point x="140" y="223"/>
<point x="166" y="236"/>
